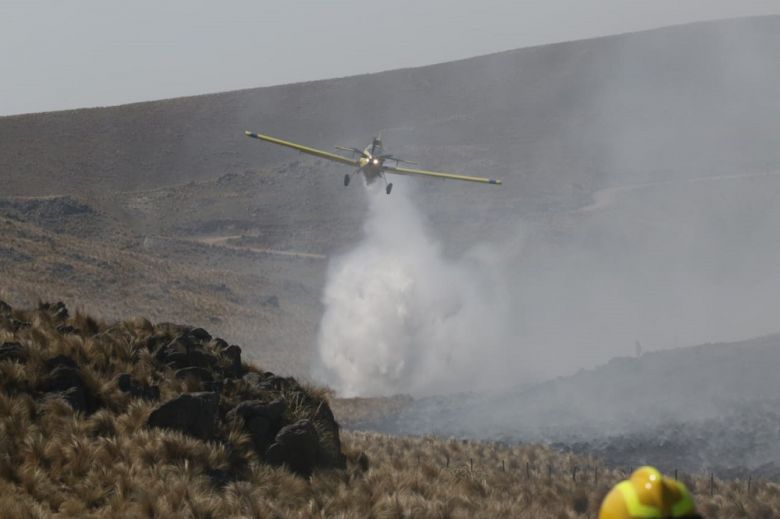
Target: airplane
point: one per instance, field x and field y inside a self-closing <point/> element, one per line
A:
<point x="372" y="161"/>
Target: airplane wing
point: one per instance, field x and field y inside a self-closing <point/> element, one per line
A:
<point x="407" y="171"/>
<point x="305" y="149"/>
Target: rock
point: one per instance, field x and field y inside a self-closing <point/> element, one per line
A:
<point x="269" y="382"/>
<point x="215" y="386"/>
<point x="194" y="414"/>
<point x="62" y="378"/>
<point x="233" y="354"/>
<point x="5" y="309"/>
<point x="252" y="408"/>
<point x="13" y="351"/>
<point x="275" y="382"/>
<point x="60" y="361"/>
<point x="128" y="385"/>
<point x="201" y="359"/>
<point x="17" y="325"/>
<point x="184" y="343"/>
<point x="68" y="381"/>
<point x="362" y="462"/>
<point x="77" y="399"/>
<point x="261" y="419"/>
<point x="200" y="334"/>
<point x="297" y="447"/>
<point x="221" y="344"/>
<point x="330" y="444"/>
<point x="252" y="379"/>
<point x="154" y="342"/>
<point x="201" y="374"/>
<point x="65" y="329"/>
<point x="184" y="352"/>
<point x="57" y="310"/>
<point x="219" y="478"/>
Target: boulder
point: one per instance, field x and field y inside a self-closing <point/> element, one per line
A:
<point x="296" y="446"/>
<point x="233" y="355"/>
<point x="184" y="352"/>
<point x="17" y="325"/>
<point x="215" y="386"/>
<point x="262" y="420"/>
<point x="76" y="398"/>
<point x="68" y="382"/>
<point x="57" y="310"/>
<point x="65" y="329"/>
<point x="199" y="373"/>
<point x="269" y="382"/>
<point x="126" y="383"/>
<point x="252" y="379"/>
<point x="5" y="309"/>
<point x="330" y="444"/>
<point x="13" y="351"/>
<point x="154" y="342"/>
<point x="362" y="462"/>
<point x="62" y="378"/>
<point x="60" y="361"/>
<point x="200" y="334"/>
<point x="194" y="414"/>
<point x="221" y="344"/>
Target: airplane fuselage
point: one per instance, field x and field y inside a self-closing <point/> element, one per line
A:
<point x="372" y="161"/>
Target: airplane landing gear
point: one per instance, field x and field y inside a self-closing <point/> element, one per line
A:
<point x="389" y="188"/>
<point x="347" y="178"/>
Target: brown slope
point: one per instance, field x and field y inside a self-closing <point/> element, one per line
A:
<point x="688" y="97"/>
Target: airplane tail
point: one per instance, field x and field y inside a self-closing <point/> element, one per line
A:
<point x="376" y="145"/>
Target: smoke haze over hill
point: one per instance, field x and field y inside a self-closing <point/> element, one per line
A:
<point x="401" y="316"/>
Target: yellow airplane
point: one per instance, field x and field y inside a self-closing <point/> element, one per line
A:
<point x="371" y="161"/>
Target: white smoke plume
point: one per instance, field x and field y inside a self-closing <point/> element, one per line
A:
<point x="400" y="317"/>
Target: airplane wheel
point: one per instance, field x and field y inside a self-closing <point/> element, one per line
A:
<point x="346" y="179"/>
<point x="389" y="188"/>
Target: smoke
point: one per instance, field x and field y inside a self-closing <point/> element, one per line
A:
<point x="401" y="317"/>
<point x="639" y="206"/>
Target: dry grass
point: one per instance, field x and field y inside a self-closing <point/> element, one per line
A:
<point x="172" y="280"/>
<point x="356" y="413"/>
<point x="55" y="462"/>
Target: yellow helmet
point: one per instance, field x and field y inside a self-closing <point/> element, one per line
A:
<point x="648" y="495"/>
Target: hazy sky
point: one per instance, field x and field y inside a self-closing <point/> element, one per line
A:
<point x="57" y="54"/>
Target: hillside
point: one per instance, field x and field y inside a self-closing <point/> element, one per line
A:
<point x="685" y="100"/>
<point x="708" y="407"/>
<point x="136" y="419"/>
<point x="605" y="146"/>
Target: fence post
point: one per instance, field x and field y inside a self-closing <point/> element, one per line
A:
<point x="549" y="471"/>
<point x="749" y="478"/>
<point x="675" y="474"/>
<point x="596" y="475"/>
<point x="503" y="467"/>
<point x="574" y="473"/>
<point x="712" y="483"/>
<point x="471" y="464"/>
<point x="448" y="461"/>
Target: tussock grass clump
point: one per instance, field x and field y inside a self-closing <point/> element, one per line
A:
<point x="77" y="439"/>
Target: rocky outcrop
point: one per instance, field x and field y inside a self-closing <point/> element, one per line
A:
<point x="126" y="384"/>
<point x="194" y="414"/>
<point x="262" y="420"/>
<point x="65" y="378"/>
<point x="13" y="351"/>
<point x="296" y="446"/>
<point x="209" y="393"/>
